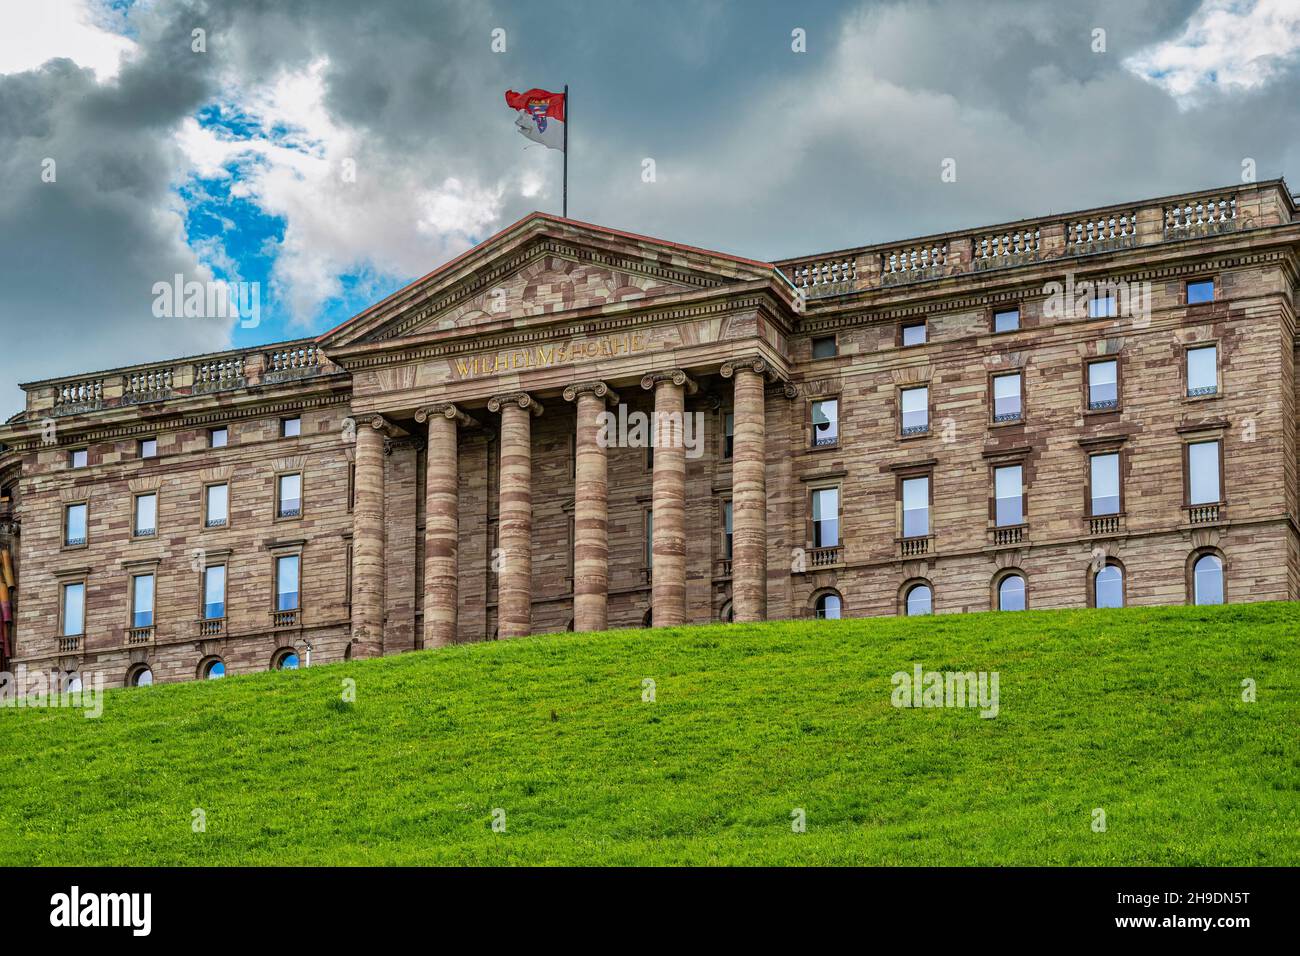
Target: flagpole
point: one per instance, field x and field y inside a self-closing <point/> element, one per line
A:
<point x="566" y="150"/>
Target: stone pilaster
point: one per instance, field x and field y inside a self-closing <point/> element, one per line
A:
<point x="441" y="522"/>
<point x="668" y="496"/>
<point x="515" y="514"/>
<point x="368" y="539"/>
<point x="590" y="508"/>
<point x="749" y="490"/>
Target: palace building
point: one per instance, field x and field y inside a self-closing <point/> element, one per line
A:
<point x="1089" y="409"/>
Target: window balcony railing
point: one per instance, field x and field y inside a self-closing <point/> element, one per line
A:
<point x="1099" y="525"/>
<point x="1012" y="535"/>
<point x="215" y="523"/>
<point x="824" y="557"/>
<point x="212" y="627"/>
<point x="136" y="636"/>
<point x="912" y="547"/>
<point x="1006" y="417"/>
<point x="825" y="442"/>
<point x="1204" y="514"/>
<point x="723" y="568"/>
<point x="909" y="430"/>
<point x="145" y="532"/>
<point x="1103" y="405"/>
<point x="291" y="512"/>
<point x="281" y="619"/>
<point x="74" y="542"/>
<point x="1202" y="390"/>
<point x="68" y="644"/>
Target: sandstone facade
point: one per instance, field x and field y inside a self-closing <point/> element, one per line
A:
<point x="459" y="480"/>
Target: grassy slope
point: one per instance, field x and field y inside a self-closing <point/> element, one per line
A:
<point x="1138" y="712"/>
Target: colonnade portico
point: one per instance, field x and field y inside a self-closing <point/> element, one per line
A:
<point x="512" y="561"/>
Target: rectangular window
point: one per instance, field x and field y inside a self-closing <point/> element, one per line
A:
<point x="218" y="437"/>
<point x="148" y="448"/>
<point x="914" y="334"/>
<point x="217" y="507"/>
<point x="728" y="435"/>
<point x="1103" y="385"/>
<point x="290" y="427"/>
<point x="1104" y="483"/>
<point x="1202" y="291"/>
<point x="74" y="525"/>
<point x="915" y="404"/>
<point x="289" y="496"/>
<point x="916" y="507"/>
<point x="1009" y="499"/>
<point x="74" y="609"/>
<point x="1006" y="398"/>
<point x="1102" y="306"/>
<point x="1203" y="473"/>
<point x="286" y="583"/>
<point x="214" y="592"/>
<point x="649" y="539"/>
<point x="1006" y="320"/>
<point x="726" y="530"/>
<point x="826" y="422"/>
<point x="824" y="347"/>
<point x="146" y="516"/>
<point x="1203" y="370"/>
<point x="78" y="458"/>
<point x="142" y="600"/>
<point x="826" y="517"/>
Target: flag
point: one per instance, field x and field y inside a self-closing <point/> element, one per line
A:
<point x="539" y="116"/>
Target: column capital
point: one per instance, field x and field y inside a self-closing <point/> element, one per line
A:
<point x="444" y="410"/>
<point x="599" y="389"/>
<point x="380" y="424"/>
<point x="522" y="399"/>
<point x="675" y="376"/>
<point x="760" y="366"/>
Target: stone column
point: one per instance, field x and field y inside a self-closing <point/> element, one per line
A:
<point x="368" y="539"/>
<point x="515" y="514"/>
<point x="441" y="522"/>
<point x="590" y="509"/>
<point x="749" y="491"/>
<point x="668" y="547"/>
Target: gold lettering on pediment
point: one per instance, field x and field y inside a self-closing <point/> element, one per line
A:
<point x="549" y="354"/>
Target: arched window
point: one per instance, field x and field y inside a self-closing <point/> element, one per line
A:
<point x="1108" y="586"/>
<point x="1011" y="592"/>
<point x="919" y="600"/>
<point x="139" y="676"/>
<point x="1207" y="580"/>
<point x="212" y="668"/>
<point x="285" y="659"/>
<point x="828" y="606"/>
<point x="728" y="613"/>
<point x="72" y="682"/>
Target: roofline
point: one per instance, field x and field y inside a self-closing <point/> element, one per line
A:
<point x="1012" y="223"/>
<point x="180" y="359"/>
<point x="371" y="310"/>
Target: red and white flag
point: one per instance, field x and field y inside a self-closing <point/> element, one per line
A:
<point x="539" y="116"/>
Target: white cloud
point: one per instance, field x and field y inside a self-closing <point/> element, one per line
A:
<point x="298" y="164"/>
<point x="35" y="31"/>
<point x="1227" y="45"/>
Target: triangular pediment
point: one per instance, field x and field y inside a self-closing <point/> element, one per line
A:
<point x="537" y="267"/>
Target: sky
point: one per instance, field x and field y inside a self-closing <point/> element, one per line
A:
<point x="330" y="151"/>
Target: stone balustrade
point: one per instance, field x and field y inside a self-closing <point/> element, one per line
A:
<point x="1051" y="237"/>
